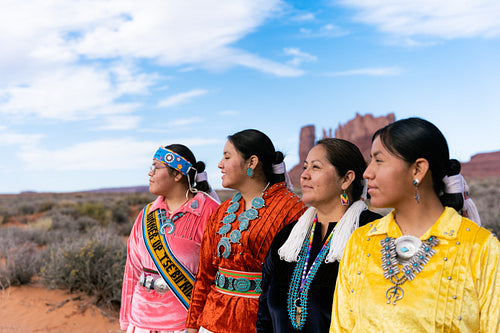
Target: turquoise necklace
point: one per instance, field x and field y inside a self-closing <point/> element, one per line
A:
<point x="167" y="222"/>
<point x="244" y="219"/>
<point x="302" y="279"/>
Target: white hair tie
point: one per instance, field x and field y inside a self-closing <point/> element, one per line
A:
<point x="454" y="184"/>
<point x="202" y="176"/>
<point x="280" y="169"/>
<point x="457" y="184"/>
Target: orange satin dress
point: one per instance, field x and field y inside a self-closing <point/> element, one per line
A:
<point x="220" y="312"/>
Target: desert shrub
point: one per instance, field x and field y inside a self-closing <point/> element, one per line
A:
<point x="486" y="195"/>
<point x="139" y="199"/>
<point x="92" y="264"/>
<point x="120" y="212"/>
<point x="45" y="206"/>
<point x="21" y="264"/>
<point x="16" y="235"/>
<point x="70" y="223"/>
<point x="20" y="256"/>
<point x="95" y="210"/>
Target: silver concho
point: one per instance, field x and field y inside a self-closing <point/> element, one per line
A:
<point x="160" y="286"/>
<point x="406" y="247"/>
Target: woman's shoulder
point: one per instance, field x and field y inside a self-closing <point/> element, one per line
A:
<point x="368" y="216"/>
<point x="281" y="237"/>
<point x="206" y="200"/>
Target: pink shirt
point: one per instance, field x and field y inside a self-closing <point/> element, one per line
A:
<point x="150" y="310"/>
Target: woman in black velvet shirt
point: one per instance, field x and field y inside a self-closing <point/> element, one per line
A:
<point x="302" y="264"/>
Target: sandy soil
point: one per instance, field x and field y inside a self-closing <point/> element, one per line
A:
<point x="32" y="308"/>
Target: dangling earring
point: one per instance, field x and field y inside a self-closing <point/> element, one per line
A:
<point x="250" y="172"/>
<point x="415" y="183"/>
<point x="344" y="199"/>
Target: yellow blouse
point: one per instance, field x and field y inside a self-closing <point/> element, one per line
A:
<point x="458" y="290"/>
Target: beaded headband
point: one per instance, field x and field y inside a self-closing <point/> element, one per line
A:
<point x="173" y="160"/>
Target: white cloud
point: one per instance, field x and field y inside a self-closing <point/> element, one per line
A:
<point x="272" y="67"/>
<point x="181" y="98"/>
<point x="99" y="155"/>
<point x="9" y="138"/>
<point x="185" y="121"/>
<point x="326" y="31"/>
<point x="298" y="56"/>
<point x="374" y="71"/>
<point x="228" y="113"/>
<point x="304" y="17"/>
<point x="72" y="93"/>
<point x="172" y="33"/>
<point x="446" y="19"/>
<point x="119" y="122"/>
<point x="102" y="155"/>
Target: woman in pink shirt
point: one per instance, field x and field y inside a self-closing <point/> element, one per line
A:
<point x="164" y="245"/>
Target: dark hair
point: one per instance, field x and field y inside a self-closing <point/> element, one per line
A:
<point x="413" y="138"/>
<point x="253" y="142"/>
<point x="345" y="156"/>
<point x="198" y="167"/>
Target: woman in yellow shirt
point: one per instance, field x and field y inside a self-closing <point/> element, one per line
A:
<point x="423" y="267"/>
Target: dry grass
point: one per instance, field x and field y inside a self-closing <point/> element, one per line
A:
<point x="76" y="241"/>
<point x="486" y="195"/>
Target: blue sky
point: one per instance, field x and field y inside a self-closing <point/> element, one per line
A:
<point x="89" y="90"/>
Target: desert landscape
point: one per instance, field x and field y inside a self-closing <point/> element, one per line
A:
<point x="62" y="255"/>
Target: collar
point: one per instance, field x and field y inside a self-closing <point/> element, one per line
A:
<point x="192" y="206"/>
<point x="273" y="189"/>
<point x="446" y="226"/>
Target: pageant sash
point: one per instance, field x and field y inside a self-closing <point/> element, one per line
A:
<point x="179" y="278"/>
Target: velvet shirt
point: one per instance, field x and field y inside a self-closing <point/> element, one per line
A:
<point x="458" y="290"/>
<point x="150" y="310"/>
<point x="220" y="312"/>
<point x="277" y="274"/>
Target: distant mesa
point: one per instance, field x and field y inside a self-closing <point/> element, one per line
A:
<point x="360" y="131"/>
<point x="482" y="165"/>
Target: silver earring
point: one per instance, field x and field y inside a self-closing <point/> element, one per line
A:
<point x="415" y="184"/>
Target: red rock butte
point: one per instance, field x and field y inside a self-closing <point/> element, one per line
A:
<point x="360" y="131"/>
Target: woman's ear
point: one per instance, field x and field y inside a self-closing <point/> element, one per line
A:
<point x="347" y="180"/>
<point x="420" y="169"/>
<point x="253" y="161"/>
<point x="178" y="176"/>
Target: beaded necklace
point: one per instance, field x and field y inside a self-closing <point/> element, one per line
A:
<point x="301" y="281"/>
<point x="392" y="257"/>
<point x="244" y="219"/>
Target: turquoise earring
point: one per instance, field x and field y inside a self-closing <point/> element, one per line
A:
<point x="250" y="172"/>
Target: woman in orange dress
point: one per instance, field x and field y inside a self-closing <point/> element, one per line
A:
<point x="238" y="235"/>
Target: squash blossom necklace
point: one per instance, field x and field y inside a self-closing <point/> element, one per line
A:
<point x="244" y="219"/>
<point x="302" y="278"/>
<point x="409" y="252"/>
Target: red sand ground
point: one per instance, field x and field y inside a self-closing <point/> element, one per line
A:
<point x="31" y="308"/>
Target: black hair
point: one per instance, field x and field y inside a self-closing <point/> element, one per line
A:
<point x="198" y="166"/>
<point x="345" y="156"/>
<point x="413" y="138"/>
<point x="253" y="142"/>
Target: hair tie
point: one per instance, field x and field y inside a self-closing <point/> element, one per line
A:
<point x="454" y="184"/>
<point x="457" y="184"/>
<point x="202" y="176"/>
<point x="280" y="169"/>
